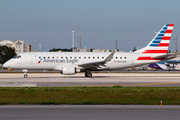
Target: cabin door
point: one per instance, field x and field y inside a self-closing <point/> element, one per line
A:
<point x="32" y="58"/>
<point x="132" y="58"/>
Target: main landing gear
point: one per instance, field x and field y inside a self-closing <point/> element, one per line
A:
<point x="88" y="74"/>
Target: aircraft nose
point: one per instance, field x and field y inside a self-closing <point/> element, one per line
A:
<point x="6" y="65"/>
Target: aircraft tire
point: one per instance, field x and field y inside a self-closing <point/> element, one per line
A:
<point x="87" y="74"/>
<point x="25" y="75"/>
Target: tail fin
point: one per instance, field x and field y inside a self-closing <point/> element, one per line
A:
<point x="155" y="65"/>
<point x="158" y="65"/>
<point x="158" y="45"/>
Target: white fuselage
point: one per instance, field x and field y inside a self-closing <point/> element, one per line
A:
<point x="57" y="60"/>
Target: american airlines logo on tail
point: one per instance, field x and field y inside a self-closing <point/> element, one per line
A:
<point x="159" y="44"/>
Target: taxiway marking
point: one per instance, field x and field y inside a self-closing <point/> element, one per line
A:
<point x="133" y="84"/>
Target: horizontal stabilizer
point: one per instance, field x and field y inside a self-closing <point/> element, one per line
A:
<point x="167" y="56"/>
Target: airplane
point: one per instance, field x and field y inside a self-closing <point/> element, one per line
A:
<point x="166" y="65"/>
<point x="70" y="63"/>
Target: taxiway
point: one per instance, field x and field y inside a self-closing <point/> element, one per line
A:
<point x="98" y="79"/>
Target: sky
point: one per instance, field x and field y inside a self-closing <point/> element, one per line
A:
<point x="132" y="23"/>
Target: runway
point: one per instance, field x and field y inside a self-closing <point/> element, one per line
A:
<point x="98" y="79"/>
<point x="89" y="112"/>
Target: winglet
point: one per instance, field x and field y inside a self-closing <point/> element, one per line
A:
<point x="109" y="57"/>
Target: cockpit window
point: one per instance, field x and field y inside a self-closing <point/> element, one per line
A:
<point x="17" y="57"/>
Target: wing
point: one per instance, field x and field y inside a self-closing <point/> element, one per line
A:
<point x="97" y="64"/>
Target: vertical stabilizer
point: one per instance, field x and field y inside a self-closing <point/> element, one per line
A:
<point x="158" y="45"/>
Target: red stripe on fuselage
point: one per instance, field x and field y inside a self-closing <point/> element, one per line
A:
<point x="155" y="51"/>
<point x="149" y="58"/>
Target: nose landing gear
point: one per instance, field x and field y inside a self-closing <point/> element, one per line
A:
<point x="25" y="74"/>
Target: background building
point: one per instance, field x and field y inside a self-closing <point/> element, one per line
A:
<point x="19" y="45"/>
<point x="101" y="50"/>
<point x="81" y="50"/>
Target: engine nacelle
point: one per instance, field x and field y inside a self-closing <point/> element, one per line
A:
<point x="69" y="70"/>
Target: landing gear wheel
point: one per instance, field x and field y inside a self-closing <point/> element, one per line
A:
<point x="88" y="74"/>
<point x="25" y="75"/>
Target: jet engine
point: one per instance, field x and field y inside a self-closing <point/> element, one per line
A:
<point x="69" y="70"/>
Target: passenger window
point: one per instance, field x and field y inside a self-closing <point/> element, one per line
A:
<point x="52" y="57"/>
<point x="39" y="57"/>
<point x="102" y="57"/>
<point x="66" y="57"/>
<point x="120" y="57"/>
<point x="93" y="57"/>
<point x="61" y="57"/>
<point x="44" y="57"/>
<point x="79" y="57"/>
<point x="74" y="57"/>
<point x="97" y="57"/>
<point x="48" y="57"/>
<point x="70" y="57"/>
<point x="124" y="57"/>
<point x="116" y="57"/>
<point x="84" y="57"/>
<point x="89" y="57"/>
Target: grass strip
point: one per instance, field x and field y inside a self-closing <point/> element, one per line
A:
<point x="116" y="95"/>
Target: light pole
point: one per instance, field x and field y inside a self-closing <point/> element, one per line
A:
<point x="40" y="47"/>
<point x="72" y="39"/>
